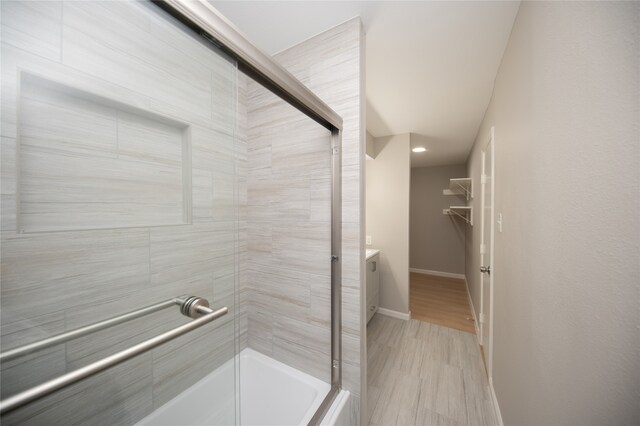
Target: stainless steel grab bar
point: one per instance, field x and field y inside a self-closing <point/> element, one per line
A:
<point x="83" y="331"/>
<point x="192" y="306"/>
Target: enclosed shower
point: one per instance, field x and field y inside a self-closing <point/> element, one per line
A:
<point x="170" y="223"/>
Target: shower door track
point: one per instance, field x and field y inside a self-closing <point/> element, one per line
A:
<point x="205" y="20"/>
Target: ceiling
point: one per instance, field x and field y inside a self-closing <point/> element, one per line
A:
<point x="430" y="65"/>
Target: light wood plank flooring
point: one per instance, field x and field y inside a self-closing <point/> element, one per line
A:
<point x="425" y="374"/>
<point x="441" y="301"/>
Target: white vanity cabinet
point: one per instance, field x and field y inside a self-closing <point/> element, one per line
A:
<point x="373" y="282"/>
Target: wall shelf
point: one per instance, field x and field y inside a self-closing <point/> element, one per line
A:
<point x="463" y="212"/>
<point x="460" y="186"/>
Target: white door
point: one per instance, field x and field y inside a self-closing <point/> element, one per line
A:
<point x="486" y="252"/>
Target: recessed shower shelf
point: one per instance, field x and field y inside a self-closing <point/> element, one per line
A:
<point x="463" y="212"/>
<point x="460" y="186"/>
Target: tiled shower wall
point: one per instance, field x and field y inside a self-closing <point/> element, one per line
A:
<point x="146" y="92"/>
<point x="289" y="234"/>
<point x="121" y="187"/>
<point x="332" y="66"/>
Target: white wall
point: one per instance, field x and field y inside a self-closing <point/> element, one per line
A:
<point x="370" y="147"/>
<point x="387" y="191"/>
<point x="436" y="240"/>
<point x="566" y="108"/>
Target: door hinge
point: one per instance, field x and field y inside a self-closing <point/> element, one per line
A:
<point x="483" y="248"/>
<point x="481" y="317"/>
<point x="335" y="150"/>
<point x="483" y="179"/>
<point x="335" y="363"/>
<point x="334" y="258"/>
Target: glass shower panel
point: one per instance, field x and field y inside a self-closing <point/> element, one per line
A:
<point x="120" y="189"/>
<point x="287" y="293"/>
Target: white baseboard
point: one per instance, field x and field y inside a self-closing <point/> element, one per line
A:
<point x="473" y="310"/>
<point x="394" y="314"/>
<point x="494" y="400"/>
<point x="437" y="273"/>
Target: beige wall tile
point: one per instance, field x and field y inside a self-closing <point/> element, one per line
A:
<point x="113" y="103"/>
<point x="331" y="65"/>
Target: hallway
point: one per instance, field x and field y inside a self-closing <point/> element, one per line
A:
<point x="425" y="374"/>
<point x="442" y="301"/>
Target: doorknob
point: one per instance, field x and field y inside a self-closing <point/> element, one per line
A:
<point x="485" y="269"/>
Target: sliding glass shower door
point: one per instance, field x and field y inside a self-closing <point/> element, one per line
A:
<point x="119" y="191"/>
<point x="169" y="223"/>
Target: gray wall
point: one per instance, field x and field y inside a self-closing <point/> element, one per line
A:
<point x="436" y="240"/>
<point x="185" y="97"/>
<point x="331" y="64"/>
<point x="567" y="277"/>
<point x="288" y="267"/>
<point x="388" y="182"/>
<point x="126" y="156"/>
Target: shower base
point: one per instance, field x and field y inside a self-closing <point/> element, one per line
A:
<point x="271" y="394"/>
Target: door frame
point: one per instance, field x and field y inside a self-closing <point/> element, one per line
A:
<point x="487" y="346"/>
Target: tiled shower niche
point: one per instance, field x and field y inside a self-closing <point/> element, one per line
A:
<point x="140" y="126"/>
<point x="88" y="162"/>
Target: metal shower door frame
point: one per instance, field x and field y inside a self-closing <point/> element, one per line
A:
<point x="204" y="19"/>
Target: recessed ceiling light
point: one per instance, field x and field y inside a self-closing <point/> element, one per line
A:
<point x="419" y="149"/>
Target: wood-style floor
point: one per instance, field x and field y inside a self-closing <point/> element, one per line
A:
<point x="441" y="301"/>
<point x="422" y="374"/>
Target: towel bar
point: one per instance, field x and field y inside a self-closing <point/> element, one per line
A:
<point x="194" y="307"/>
